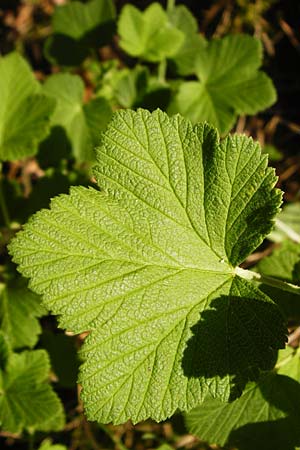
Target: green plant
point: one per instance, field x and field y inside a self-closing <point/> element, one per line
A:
<point x="150" y="267"/>
<point x="143" y="261"/>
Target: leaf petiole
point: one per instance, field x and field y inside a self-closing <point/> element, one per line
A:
<point x="170" y="5"/>
<point x="270" y="281"/>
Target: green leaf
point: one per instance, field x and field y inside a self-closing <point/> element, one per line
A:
<point x="19" y="312"/>
<point x="273" y="152"/>
<point x="265" y="417"/>
<point x="27" y="401"/>
<point x="77" y="28"/>
<point x="136" y="88"/>
<point x="282" y="264"/>
<point x="288" y="224"/>
<point x="288" y="363"/>
<point x="82" y="122"/>
<point x="4" y="351"/>
<point x="184" y="59"/>
<point x="148" y="34"/>
<point x="132" y="86"/>
<point x="47" y="445"/>
<point x="24" y="111"/>
<point x="139" y="264"/>
<point x="230" y="83"/>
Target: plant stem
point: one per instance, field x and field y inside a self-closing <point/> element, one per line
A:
<point x="270" y="281"/>
<point x="31" y="441"/>
<point x="170" y="5"/>
<point x="162" y="69"/>
<point x="3" y="205"/>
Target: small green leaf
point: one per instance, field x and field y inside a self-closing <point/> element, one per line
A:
<point x="273" y="152"/>
<point x="27" y="401"/>
<point x="229" y="83"/>
<point x="82" y="122"/>
<point x="288" y="363"/>
<point x="265" y="417"/>
<point x="77" y="28"/>
<point x="19" y="312"/>
<point x="146" y="266"/>
<point x="24" y="112"/>
<point x="132" y="86"/>
<point x="282" y="264"/>
<point x="288" y="224"/>
<point x="136" y="88"/>
<point x="184" y="59"/>
<point x="47" y="445"/>
<point x="148" y="34"/>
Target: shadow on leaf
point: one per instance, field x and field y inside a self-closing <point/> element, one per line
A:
<point x="281" y="394"/>
<point x="237" y="337"/>
<point x="66" y="51"/>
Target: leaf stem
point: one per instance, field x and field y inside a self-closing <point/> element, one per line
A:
<point x="265" y="279"/>
<point x="3" y="205"/>
<point x="170" y="5"/>
<point x="162" y="70"/>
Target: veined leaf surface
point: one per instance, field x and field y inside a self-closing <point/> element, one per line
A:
<point x="147" y="267"/>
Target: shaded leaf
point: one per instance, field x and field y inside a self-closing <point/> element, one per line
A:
<point x="77" y="28"/>
<point x="265" y="417"/>
<point x="82" y="122"/>
<point x="27" y="401"/>
<point x="19" y="312"/>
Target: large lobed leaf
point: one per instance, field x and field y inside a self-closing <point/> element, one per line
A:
<point x="147" y="267"/>
<point x="24" y="111"/>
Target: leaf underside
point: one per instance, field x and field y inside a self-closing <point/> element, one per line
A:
<point x="146" y="266"/>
